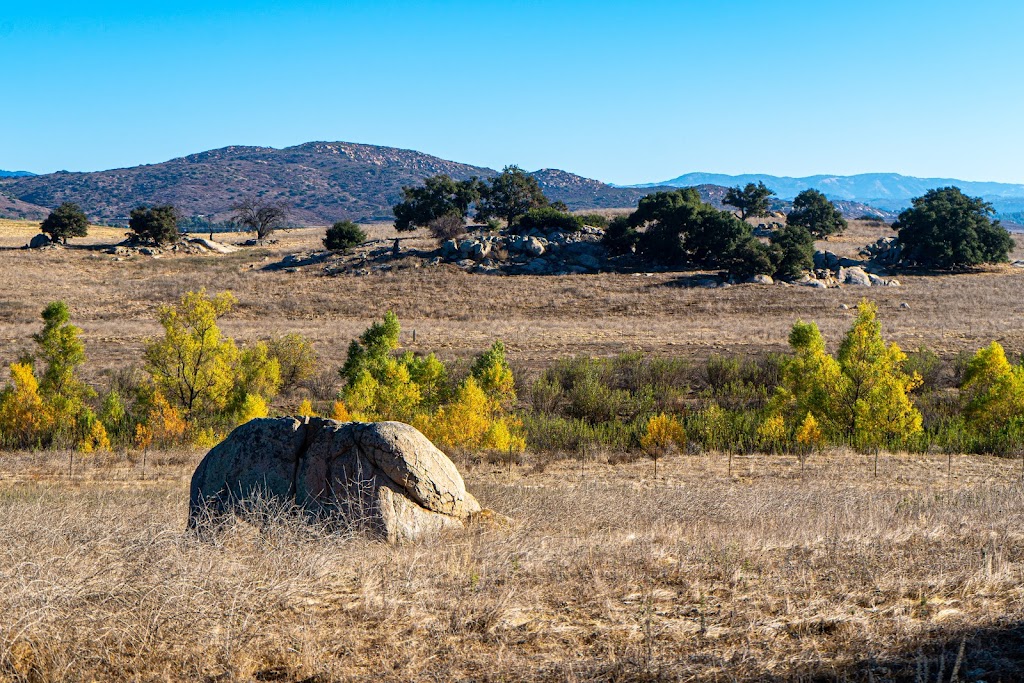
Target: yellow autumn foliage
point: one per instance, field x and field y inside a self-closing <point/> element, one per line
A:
<point x="253" y="406"/>
<point x="166" y="423"/>
<point x="25" y="420"/>
<point x="143" y="437"/>
<point x="473" y="420"/>
<point x="206" y="438"/>
<point x="809" y="434"/>
<point x="772" y="431"/>
<point x="861" y="396"/>
<point x="340" y="412"/>
<point x="993" y="392"/>
<point x="96" y="440"/>
<point x="306" y="409"/>
<point x="662" y="432"/>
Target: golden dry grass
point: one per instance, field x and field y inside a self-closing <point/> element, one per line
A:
<point x="604" y="574"/>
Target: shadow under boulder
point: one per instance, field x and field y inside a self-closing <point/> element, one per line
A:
<point x="385" y="477"/>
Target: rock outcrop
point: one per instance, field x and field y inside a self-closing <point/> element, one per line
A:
<point x="535" y="252"/>
<point x="384" y="477"/>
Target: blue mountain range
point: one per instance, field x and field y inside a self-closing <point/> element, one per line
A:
<point x="890" y="191"/>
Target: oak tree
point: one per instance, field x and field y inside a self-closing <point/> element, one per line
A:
<point x="509" y="195"/>
<point x="812" y="210"/>
<point x="67" y="220"/>
<point x="947" y="229"/>
<point x="751" y="200"/>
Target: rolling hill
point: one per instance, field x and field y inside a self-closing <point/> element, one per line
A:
<point x="15" y="174"/>
<point x="321" y="182"/>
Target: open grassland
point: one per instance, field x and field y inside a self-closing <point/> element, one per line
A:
<point x="770" y="573"/>
<point x="752" y="568"/>
<point x="456" y="315"/>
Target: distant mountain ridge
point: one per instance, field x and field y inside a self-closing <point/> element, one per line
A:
<point x="321" y="182"/>
<point x="890" y="191"/>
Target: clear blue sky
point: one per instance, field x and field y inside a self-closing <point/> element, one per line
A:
<point x="625" y="92"/>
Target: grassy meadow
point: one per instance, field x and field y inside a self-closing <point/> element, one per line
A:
<point x="723" y="568"/>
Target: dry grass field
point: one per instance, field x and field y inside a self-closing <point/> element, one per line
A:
<point x="720" y="570"/>
<point x="769" y="574"/>
<point x="456" y="315"/>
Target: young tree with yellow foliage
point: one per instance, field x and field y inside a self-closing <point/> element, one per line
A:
<point x="875" y="399"/>
<point x="493" y="374"/>
<point x="56" y="397"/>
<point x="25" y="421"/>
<point x="201" y="374"/>
<point x="662" y="432"/>
<point x="860" y="397"/>
<point x="193" y="364"/>
<point x="62" y="350"/>
<point x="992" y="394"/>
<point x="473" y="420"/>
<point x="378" y="385"/>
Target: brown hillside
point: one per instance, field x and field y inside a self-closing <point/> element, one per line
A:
<point x="321" y="181"/>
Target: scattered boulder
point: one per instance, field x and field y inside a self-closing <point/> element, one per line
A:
<point x="383" y="477"/>
<point x="886" y="251"/>
<point x="533" y="252"/>
<point x="854" y="276"/>
<point x="537" y="267"/>
<point x="449" y="250"/>
<point x="210" y="245"/>
<point x="533" y="246"/>
<point x="761" y="280"/>
<point x="826" y="260"/>
<point x="479" y="250"/>
<point x="40" y="241"/>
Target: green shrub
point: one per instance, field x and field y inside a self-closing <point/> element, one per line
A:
<point x="927" y="364"/>
<point x="547" y="218"/>
<point x="751" y="257"/>
<point x="554" y="434"/>
<point x="297" y="358"/>
<point x="158" y="224"/>
<point x="794" y="245"/>
<point x="595" y="220"/>
<point x="620" y="237"/>
<point x="343" y="236"/>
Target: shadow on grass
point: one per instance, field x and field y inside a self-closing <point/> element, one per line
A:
<point x="992" y="655"/>
<point x="975" y="654"/>
<point x="694" y="280"/>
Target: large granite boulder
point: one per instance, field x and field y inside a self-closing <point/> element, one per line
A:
<point x="385" y="477"/>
